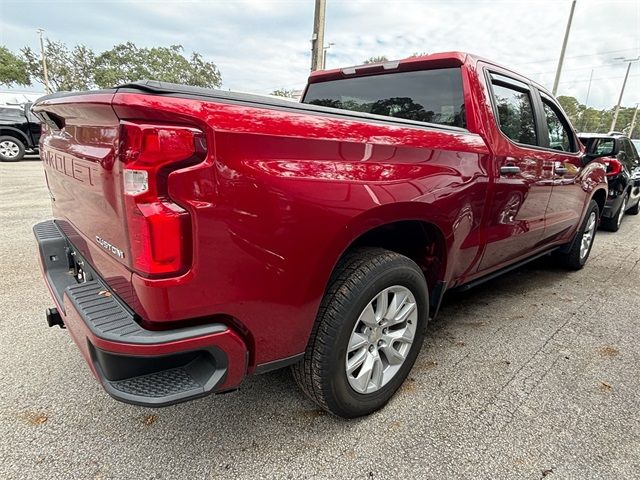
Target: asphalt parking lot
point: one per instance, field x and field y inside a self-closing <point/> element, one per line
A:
<point x="532" y="375"/>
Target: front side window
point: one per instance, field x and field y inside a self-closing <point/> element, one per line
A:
<point x="559" y="136"/>
<point x="434" y="96"/>
<point x="515" y="114"/>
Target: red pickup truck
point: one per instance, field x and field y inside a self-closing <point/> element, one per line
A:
<point x="200" y="236"/>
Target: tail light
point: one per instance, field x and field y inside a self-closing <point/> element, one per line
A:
<point x="614" y="167"/>
<point x="159" y="229"/>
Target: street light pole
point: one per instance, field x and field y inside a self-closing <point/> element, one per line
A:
<point x="624" y="84"/>
<point x="317" y="40"/>
<point x="44" y="62"/>
<point x="324" y="54"/>
<point x="564" y="48"/>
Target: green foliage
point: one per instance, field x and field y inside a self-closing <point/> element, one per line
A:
<point x="126" y="63"/>
<point x="588" y="119"/>
<point x="378" y="59"/>
<point x="283" y="92"/>
<point x="67" y="69"/>
<point x="81" y="68"/>
<point x="13" y="70"/>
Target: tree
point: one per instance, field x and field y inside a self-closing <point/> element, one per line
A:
<point x="571" y="107"/>
<point x="67" y="69"/>
<point x="378" y="59"/>
<point x="13" y="70"/>
<point x="283" y="92"/>
<point x="126" y="63"/>
<point x="587" y="119"/>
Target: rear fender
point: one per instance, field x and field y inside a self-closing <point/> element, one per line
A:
<point x="378" y="217"/>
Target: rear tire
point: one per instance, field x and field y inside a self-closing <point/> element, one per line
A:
<point x="11" y="149"/>
<point x="613" y="224"/>
<point x="373" y="315"/>
<point x="578" y="253"/>
<point x="635" y="209"/>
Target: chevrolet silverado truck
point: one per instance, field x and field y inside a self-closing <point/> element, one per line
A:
<point x="201" y="236"/>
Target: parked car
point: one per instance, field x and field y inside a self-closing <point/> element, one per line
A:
<point x="636" y="143"/>
<point x="623" y="175"/>
<point x="200" y="236"/>
<point x="19" y="132"/>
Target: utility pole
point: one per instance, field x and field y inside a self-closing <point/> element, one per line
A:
<point x="633" y="120"/>
<point x="44" y="62"/>
<point x="564" y="48"/>
<point x="624" y="84"/>
<point x="317" y="40"/>
<point x="586" y="101"/>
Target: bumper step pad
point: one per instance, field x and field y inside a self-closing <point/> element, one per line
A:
<point x="148" y="380"/>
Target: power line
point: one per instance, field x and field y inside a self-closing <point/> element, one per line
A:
<point x="599" y="78"/>
<point x="586" y="67"/>
<point x="575" y="56"/>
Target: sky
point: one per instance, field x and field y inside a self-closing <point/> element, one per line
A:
<point x="262" y="45"/>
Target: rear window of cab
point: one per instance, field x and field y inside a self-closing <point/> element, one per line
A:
<point x="431" y="96"/>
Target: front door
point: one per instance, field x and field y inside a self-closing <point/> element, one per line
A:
<point x="568" y="197"/>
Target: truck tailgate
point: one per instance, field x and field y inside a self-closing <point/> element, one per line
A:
<point x="79" y="152"/>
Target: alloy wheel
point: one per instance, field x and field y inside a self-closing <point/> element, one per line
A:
<point x="9" y="149"/>
<point x="587" y="236"/>
<point x="381" y="339"/>
<point x="623" y="208"/>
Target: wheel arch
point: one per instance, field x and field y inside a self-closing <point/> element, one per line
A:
<point x="14" y="132"/>
<point x="600" y="197"/>
<point x="389" y="227"/>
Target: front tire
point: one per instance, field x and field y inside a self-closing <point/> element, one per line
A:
<point x="613" y="224"/>
<point x="578" y="253"/>
<point x="635" y="209"/>
<point x="11" y="149"/>
<point x="368" y="333"/>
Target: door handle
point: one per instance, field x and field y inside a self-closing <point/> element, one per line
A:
<point x="560" y="171"/>
<point x="509" y="170"/>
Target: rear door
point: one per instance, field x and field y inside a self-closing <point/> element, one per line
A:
<point x="523" y="180"/>
<point x="562" y="153"/>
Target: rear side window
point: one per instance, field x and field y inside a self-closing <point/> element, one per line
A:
<point x="630" y="157"/>
<point x="433" y="96"/>
<point x="559" y="136"/>
<point x="515" y="113"/>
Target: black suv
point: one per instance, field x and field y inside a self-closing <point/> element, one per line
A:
<point x="19" y="132"/>
<point x="623" y="175"/>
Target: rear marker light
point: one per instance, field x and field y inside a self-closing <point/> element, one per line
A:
<point x="159" y="229"/>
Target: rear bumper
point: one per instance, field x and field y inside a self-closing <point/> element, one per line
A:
<point x="135" y="365"/>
